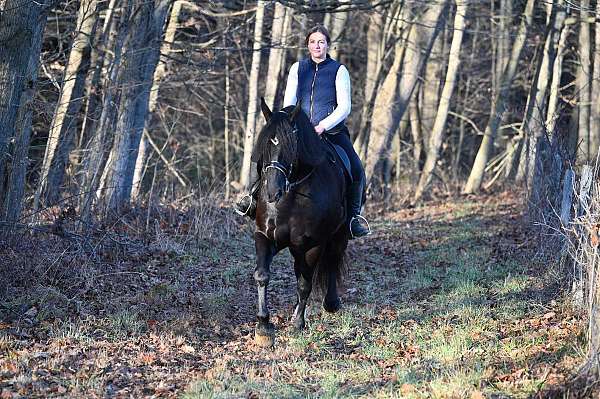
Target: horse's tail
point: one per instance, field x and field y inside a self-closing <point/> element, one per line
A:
<point x="332" y="263"/>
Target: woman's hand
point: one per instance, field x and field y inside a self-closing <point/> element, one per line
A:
<point x="319" y="129"/>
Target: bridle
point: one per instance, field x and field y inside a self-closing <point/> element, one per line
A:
<point x="286" y="172"/>
<point x="278" y="166"/>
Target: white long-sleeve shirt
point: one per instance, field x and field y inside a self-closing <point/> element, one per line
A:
<point x="343" y="95"/>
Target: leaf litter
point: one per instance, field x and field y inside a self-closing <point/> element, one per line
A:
<point x="444" y="300"/>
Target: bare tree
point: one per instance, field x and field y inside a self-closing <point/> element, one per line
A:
<point x="595" y="111"/>
<point x="428" y="95"/>
<point x="252" y="95"/>
<point x="533" y="121"/>
<point x="336" y="24"/>
<point x="393" y="97"/>
<point x="100" y="62"/>
<point x="276" y="55"/>
<point x="99" y="122"/>
<point x="63" y="125"/>
<point x="141" y="54"/>
<point x="159" y="75"/>
<point x="499" y="103"/>
<point x="18" y="160"/>
<point x="375" y="40"/>
<point x="21" y="24"/>
<point x="553" y="110"/>
<point x="585" y="152"/>
<point x="439" y="125"/>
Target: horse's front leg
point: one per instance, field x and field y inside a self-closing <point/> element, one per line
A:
<point x="304" y="275"/>
<point x="265" y="250"/>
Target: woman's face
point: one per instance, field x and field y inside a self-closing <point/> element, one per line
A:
<point x="317" y="46"/>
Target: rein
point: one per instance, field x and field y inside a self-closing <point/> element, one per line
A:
<point x="289" y="186"/>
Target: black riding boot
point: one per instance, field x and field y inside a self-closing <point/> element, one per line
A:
<point x="355" y="193"/>
<point x="246" y="206"/>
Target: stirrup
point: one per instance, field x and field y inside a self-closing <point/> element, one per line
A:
<point x="358" y="217"/>
<point x="244" y="213"/>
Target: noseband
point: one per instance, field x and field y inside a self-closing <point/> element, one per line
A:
<point x="281" y="168"/>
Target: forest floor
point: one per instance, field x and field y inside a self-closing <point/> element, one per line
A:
<point x="447" y="300"/>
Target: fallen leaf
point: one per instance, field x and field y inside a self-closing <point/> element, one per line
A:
<point x="477" y="395"/>
<point x="188" y="349"/>
<point x="405" y="389"/>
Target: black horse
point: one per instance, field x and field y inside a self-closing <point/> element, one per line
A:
<point x="301" y="206"/>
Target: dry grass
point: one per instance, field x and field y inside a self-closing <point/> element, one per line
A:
<point x="445" y="300"/>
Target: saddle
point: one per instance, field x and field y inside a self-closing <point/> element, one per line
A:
<point x="337" y="155"/>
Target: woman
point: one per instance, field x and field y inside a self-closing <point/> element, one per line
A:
<point x="322" y="86"/>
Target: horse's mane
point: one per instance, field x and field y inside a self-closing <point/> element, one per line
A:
<point x="309" y="146"/>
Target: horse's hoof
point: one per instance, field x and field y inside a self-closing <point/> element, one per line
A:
<point x="264" y="336"/>
<point x="332" y="306"/>
<point x="264" y="341"/>
<point x="298" y="324"/>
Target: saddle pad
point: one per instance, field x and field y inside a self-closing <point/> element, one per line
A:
<point x="344" y="158"/>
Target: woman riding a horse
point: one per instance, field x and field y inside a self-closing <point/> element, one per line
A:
<point x="304" y="199"/>
<point x="321" y="85"/>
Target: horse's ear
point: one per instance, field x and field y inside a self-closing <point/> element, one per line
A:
<point x="295" y="111"/>
<point x="265" y="109"/>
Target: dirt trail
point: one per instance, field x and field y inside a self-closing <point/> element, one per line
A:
<point x="445" y="300"/>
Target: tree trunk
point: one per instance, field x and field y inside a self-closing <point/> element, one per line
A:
<point x="533" y="121"/>
<point x="584" y="153"/>
<point x="63" y="125"/>
<point x="12" y="198"/>
<point x="159" y="75"/>
<point x="141" y="55"/>
<point x="252" y="96"/>
<point x="439" y="126"/>
<point x="553" y="111"/>
<point x="18" y="21"/>
<point x="275" y="57"/>
<point x="100" y="131"/>
<point x="226" y="129"/>
<point x="417" y="136"/>
<point x="595" y="110"/>
<point x="374" y="57"/>
<point x="503" y="38"/>
<point x="397" y="88"/>
<point x="499" y="104"/>
<point x="338" y="22"/>
<point x="106" y="40"/>
<point x="430" y="89"/>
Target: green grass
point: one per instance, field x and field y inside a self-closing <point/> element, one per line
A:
<point x="443" y="338"/>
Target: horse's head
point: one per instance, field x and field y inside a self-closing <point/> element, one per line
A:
<point x="287" y="144"/>
<point x="276" y="149"/>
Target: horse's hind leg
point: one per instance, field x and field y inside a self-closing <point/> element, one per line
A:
<point x="265" y="331"/>
<point x="334" y="257"/>
<point x="332" y="302"/>
<point x="304" y="276"/>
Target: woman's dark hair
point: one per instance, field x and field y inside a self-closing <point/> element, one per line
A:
<point x="317" y="28"/>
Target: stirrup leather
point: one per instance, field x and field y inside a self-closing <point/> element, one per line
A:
<point x="244" y="213"/>
<point x="358" y="217"/>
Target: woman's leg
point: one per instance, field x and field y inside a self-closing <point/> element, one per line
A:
<point x="356" y="188"/>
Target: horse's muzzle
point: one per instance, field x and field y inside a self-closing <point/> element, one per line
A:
<point x="275" y="197"/>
